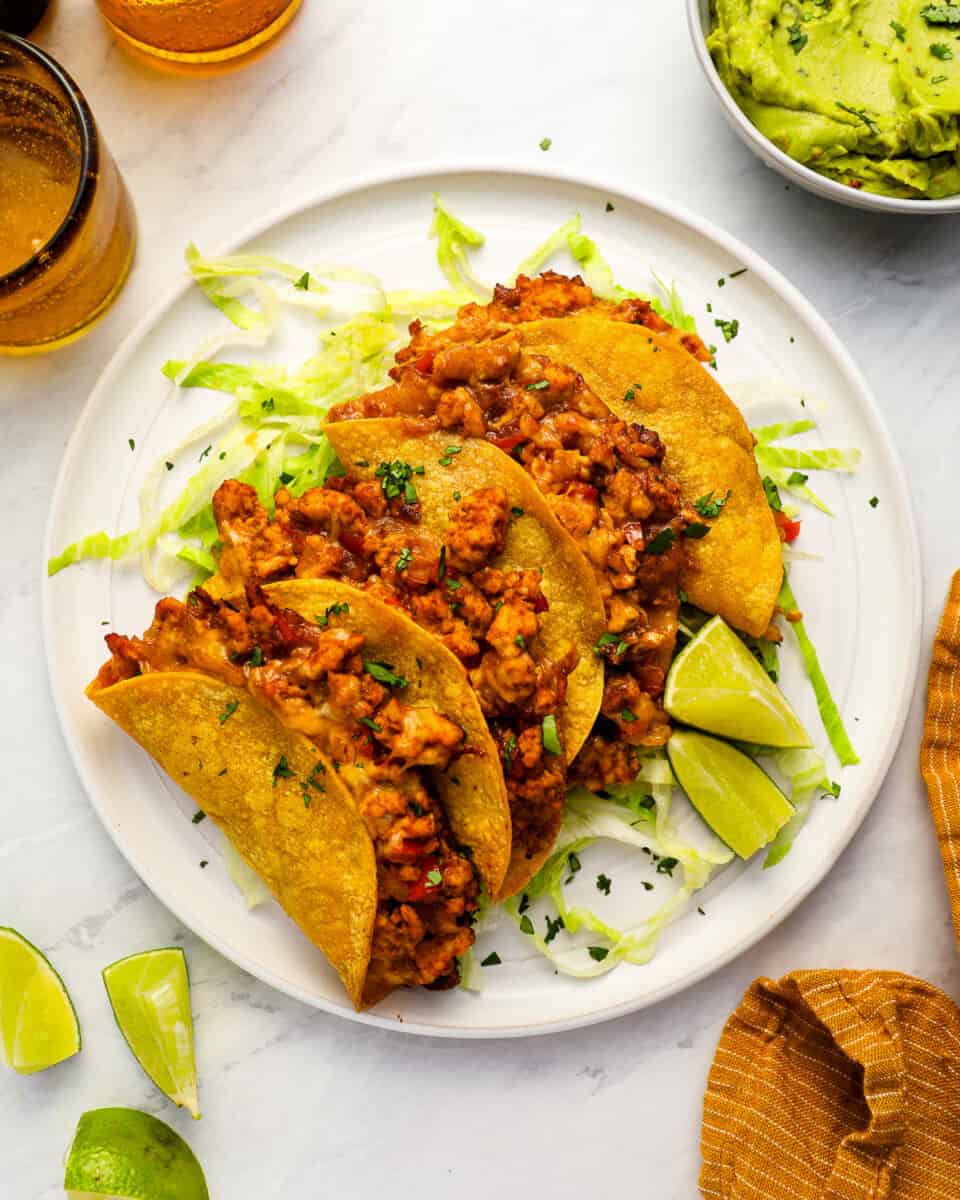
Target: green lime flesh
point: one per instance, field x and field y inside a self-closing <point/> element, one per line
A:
<point x="739" y="801"/>
<point x="716" y="684"/>
<point x="123" y="1154"/>
<point x="150" y="995"/>
<point x="38" y="1024"/>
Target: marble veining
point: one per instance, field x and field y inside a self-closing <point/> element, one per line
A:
<point x="296" y="1102"/>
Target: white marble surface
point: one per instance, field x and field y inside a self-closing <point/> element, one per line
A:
<point x="297" y="1103"/>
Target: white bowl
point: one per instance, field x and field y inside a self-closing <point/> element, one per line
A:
<point x="698" y="19"/>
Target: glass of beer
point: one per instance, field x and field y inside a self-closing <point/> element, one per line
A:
<point x="197" y="32"/>
<point x="67" y="227"/>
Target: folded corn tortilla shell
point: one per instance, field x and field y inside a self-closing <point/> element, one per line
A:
<point x="736" y="570"/>
<point x="535" y="539"/>
<point x="318" y="861"/>
<point x="472" y="790"/>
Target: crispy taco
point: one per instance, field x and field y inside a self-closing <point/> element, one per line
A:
<point x="737" y="570"/>
<point x="603" y="479"/>
<point x="345" y="757"/>
<point x="458" y="537"/>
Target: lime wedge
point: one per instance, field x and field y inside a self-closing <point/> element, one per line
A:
<point x="150" y="994"/>
<point x="716" y="684"/>
<point x="739" y="801"/>
<point x="38" y="1025"/>
<point x="123" y="1154"/>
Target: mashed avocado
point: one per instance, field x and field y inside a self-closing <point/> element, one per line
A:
<point x="866" y="92"/>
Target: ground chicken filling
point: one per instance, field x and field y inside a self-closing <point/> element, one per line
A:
<point x="602" y="476"/>
<point x="316" y="681"/>
<point x="490" y="619"/>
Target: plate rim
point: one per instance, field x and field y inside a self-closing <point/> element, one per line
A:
<point x="854" y="379"/>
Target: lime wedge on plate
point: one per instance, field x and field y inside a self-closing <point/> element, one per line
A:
<point x="38" y="1025"/>
<point x="150" y="994"/>
<point x="739" y="801"/>
<point x="716" y="684"/>
<point x="123" y="1154"/>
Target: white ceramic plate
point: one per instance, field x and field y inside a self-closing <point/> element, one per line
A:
<point x="863" y="615"/>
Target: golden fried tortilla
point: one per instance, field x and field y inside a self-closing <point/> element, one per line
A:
<point x="318" y="860"/>
<point x="736" y="570"/>
<point x="472" y="792"/>
<point x="534" y="539"/>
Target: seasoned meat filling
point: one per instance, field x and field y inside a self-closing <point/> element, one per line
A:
<point x="490" y="619"/>
<point x="315" y="681"/>
<point x="602" y="476"/>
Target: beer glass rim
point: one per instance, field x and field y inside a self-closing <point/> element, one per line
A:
<point x="89" y="164"/>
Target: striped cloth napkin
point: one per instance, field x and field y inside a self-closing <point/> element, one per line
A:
<point x="940" y="748"/>
<point x="835" y="1085"/>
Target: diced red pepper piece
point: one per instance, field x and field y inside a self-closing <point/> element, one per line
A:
<point x="424" y="364"/>
<point x="509" y="442"/>
<point x="423" y="887"/>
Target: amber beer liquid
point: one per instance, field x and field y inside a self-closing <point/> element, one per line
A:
<point x="66" y="222"/>
<point x="197" y="32"/>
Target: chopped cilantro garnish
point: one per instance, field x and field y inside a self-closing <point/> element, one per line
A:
<point x="665" y="866"/>
<point x="740" y="271"/>
<point x="303" y="283"/>
<point x="549" y="735"/>
<point x="434" y="878"/>
<point x="281" y="770"/>
<point x="834" y="789"/>
<point x="453" y="584"/>
<point x="524" y="904"/>
<point x="861" y="114"/>
<point x="797" y="479"/>
<point x="899" y="30"/>
<point x="526" y="925"/>
<point x="396" y="480"/>
<point x="707" y="506"/>
<point x="131" y="443"/>
<point x="941" y="50"/>
<point x="796" y="38"/>
<point x="198" y="816"/>
<point x="520" y="642"/>
<point x="554" y="925"/>
<point x="509" y="746"/>
<point x="573" y="863"/>
<point x="204" y="453"/>
<point x="609" y="207"/>
<point x="256" y="658"/>
<point x="371" y="724"/>
<point x="772" y="492"/>
<point x="627" y="716"/>
<point x="647" y="886"/>
<point x="516" y="510"/>
<point x="603" y="884"/>
<point x="598" y="953"/>
<point x="539" y="386"/>
<point x="269" y="404"/>
<point x="204" y="862"/>
<point x="874" y="501"/>
<point x="382" y="673"/>
<point x="229" y="710"/>
<point x="493" y="959"/>
<point x="448" y="453"/>
<point x="631" y="391"/>
<point x="611" y="639"/>
<point x="403" y="558"/>
<point x="662" y="542"/>
<point x="546" y="143"/>
<point x="168" y="465"/>
<point x="939" y="79"/>
<point x="729" y="329"/>
<point x="696" y="530"/>
<point x="333" y="611"/>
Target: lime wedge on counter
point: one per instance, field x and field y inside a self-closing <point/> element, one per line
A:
<point x="150" y="994"/>
<point x="123" y="1154"/>
<point x="739" y="801"/>
<point x="716" y="684"/>
<point x="38" y="1025"/>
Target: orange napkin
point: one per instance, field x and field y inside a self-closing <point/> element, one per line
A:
<point x="940" y="748"/>
<point x="835" y="1085"/>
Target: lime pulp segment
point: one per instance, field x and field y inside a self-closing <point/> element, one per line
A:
<point x="738" y="800"/>
<point x="123" y="1154"/>
<point x="150" y="995"/>
<point x="38" y="1024"/>
<point x="716" y="684"/>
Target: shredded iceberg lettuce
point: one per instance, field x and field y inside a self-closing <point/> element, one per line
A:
<point x="596" y="271"/>
<point x="247" y="882"/>
<point x="454" y="239"/>
<point x="806" y="774"/>
<point x="649" y="815"/>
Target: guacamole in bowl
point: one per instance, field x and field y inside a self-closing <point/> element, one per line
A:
<point x="864" y="92"/>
